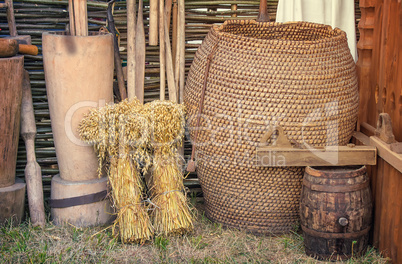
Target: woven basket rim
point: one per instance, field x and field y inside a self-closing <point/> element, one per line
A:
<point x="337" y="32"/>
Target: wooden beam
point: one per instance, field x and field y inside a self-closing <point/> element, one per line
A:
<point x="385" y="152"/>
<point x="328" y="156"/>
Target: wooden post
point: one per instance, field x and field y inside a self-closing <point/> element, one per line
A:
<point x="140" y="55"/>
<point x="263" y="13"/>
<point x="365" y="50"/>
<point x="10" y="18"/>
<point x="169" y="64"/>
<point x="162" y="49"/>
<point x="131" y="65"/>
<point x="80" y="17"/>
<point x="182" y="51"/>
<point x="174" y="35"/>
<point x="153" y="22"/>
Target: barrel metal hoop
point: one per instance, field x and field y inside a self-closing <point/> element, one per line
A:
<point x="79" y="200"/>
<point x="336" y="188"/>
<point x="325" y="235"/>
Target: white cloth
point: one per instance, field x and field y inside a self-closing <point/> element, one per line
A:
<point x="336" y="13"/>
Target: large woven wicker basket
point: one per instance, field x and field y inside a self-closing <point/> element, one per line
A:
<point x="300" y="76"/>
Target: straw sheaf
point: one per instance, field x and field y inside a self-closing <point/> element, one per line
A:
<point x="167" y="120"/>
<point x="171" y="214"/>
<point x="121" y="134"/>
<point x="300" y="76"/>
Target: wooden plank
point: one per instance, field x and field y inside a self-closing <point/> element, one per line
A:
<point x="365" y="50"/>
<point x="362" y="138"/>
<point x="387" y="193"/>
<point x="329" y="156"/>
<point x="385" y="152"/>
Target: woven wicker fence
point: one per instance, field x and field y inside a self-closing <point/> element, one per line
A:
<point x="33" y="17"/>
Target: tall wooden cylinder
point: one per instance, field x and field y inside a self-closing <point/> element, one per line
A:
<point x="80" y="203"/>
<point x="11" y="70"/>
<point x="335" y="211"/>
<point x="79" y="75"/>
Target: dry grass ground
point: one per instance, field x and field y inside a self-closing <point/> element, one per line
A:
<point x="208" y="243"/>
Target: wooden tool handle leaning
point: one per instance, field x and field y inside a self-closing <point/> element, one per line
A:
<point x="140" y="55"/>
<point x="28" y="49"/>
<point x="33" y="175"/>
<point x="263" y="13"/>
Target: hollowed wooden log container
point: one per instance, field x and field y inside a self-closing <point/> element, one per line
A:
<point x="11" y="70"/>
<point x="81" y="203"/>
<point x="79" y="76"/>
<point x="336" y="211"/>
<point x="12" y="190"/>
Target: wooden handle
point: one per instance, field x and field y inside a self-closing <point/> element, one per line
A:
<point x="140" y="55"/>
<point x="28" y="49"/>
<point x="10" y="47"/>
<point x="80" y="17"/>
<point x="162" y="49"/>
<point x="169" y="63"/>
<point x="33" y="174"/>
<point x="10" y="18"/>
<point x="263" y="13"/>
<point x="131" y="63"/>
<point x="153" y="22"/>
<point x="117" y="61"/>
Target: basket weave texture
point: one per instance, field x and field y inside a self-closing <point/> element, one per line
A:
<point x="300" y="76"/>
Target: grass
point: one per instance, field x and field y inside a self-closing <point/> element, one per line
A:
<point x="208" y="243"/>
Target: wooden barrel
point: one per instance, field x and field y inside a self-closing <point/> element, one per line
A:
<point x="335" y="211"/>
<point x="79" y="76"/>
<point x="11" y="70"/>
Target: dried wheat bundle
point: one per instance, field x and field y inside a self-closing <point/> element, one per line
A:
<point x="120" y="134"/>
<point x="171" y="214"/>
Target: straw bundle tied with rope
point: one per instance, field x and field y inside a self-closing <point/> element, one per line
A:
<point x="124" y="135"/>
<point x="119" y="134"/>
<point x="172" y="214"/>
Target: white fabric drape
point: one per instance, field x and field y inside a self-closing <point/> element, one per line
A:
<point x="336" y="13"/>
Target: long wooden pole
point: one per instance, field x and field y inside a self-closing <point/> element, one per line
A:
<point x="117" y="61"/>
<point x="263" y="13"/>
<point x="162" y="49"/>
<point x="169" y="65"/>
<point x="11" y="18"/>
<point x="71" y="17"/>
<point x="153" y="22"/>
<point x="131" y="64"/>
<point x="182" y="40"/>
<point x="174" y="34"/>
<point x="140" y="55"/>
<point x="33" y="174"/>
<point x="80" y="17"/>
<point x="181" y="60"/>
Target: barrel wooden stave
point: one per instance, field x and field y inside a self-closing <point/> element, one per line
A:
<point x="327" y="196"/>
<point x="11" y="70"/>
